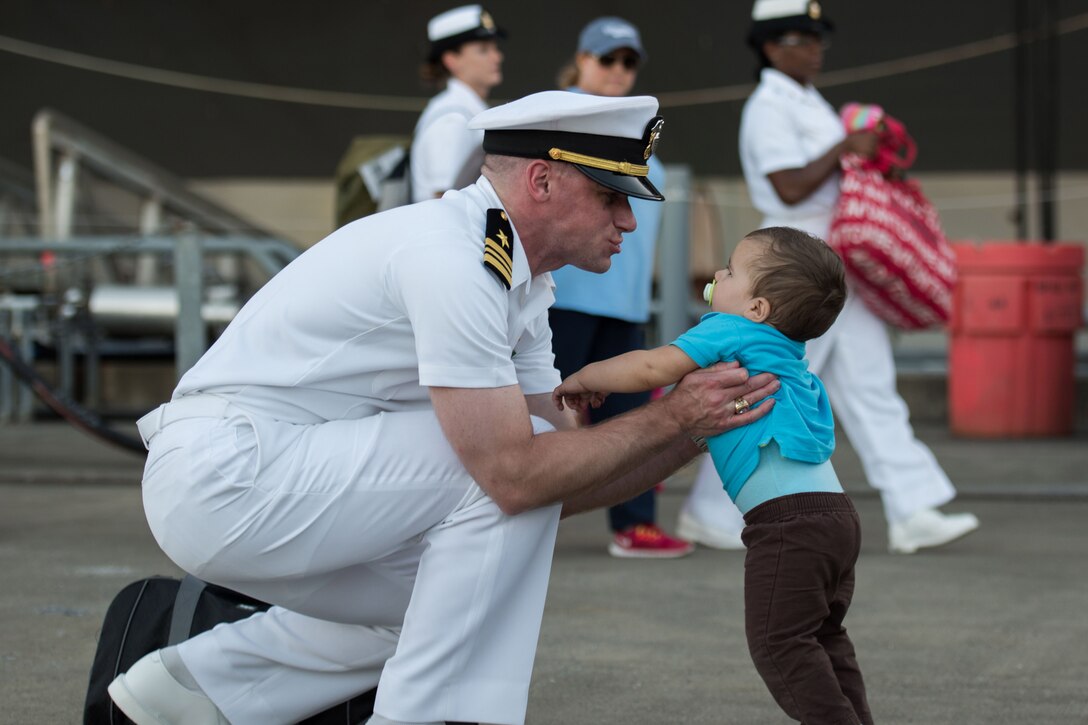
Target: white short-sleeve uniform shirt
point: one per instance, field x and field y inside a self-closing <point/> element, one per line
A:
<point x="785" y="125"/>
<point x="303" y="491"/>
<point x="443" y="145"/>
<point x="365" y="320"/>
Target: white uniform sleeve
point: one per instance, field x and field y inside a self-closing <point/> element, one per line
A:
<point x="441" y="152"/>
<point x="534" y="359"/>
<point x="769" y="137"/>
<point x="458" y="313"/>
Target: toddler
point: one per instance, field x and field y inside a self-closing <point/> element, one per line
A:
<point x="781" y="287"/>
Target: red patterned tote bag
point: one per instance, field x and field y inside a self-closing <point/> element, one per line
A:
<point x="888" y="233"/>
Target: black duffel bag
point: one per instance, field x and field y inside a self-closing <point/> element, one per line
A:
<point x="160" y="611"/>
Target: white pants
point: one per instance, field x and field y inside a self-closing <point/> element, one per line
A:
<point x="388" y="565"/>
<point x="854" y="360"/>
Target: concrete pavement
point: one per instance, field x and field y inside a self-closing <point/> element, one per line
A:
<point x="989" y="630"/>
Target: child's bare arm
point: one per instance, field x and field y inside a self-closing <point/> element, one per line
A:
<point x="631" y="372"/>
<point x="638" y="370"/>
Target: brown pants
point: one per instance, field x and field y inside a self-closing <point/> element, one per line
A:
<point x="798" y="583"/>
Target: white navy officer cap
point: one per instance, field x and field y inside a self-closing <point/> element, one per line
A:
<point x="609" y="139"/>
<point x="453" y="28"/>
<point x="773" y="18"/>
<point x="604" y="35"/>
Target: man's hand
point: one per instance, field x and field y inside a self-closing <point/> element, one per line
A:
<point x="704" y="402"/>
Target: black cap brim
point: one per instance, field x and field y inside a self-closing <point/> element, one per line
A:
<point x="438" y="47"/>
<point x="639" y="187"/>
<point x="764" y="30"/>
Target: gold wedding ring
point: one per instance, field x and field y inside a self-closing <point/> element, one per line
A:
<point x="740" y="405"/>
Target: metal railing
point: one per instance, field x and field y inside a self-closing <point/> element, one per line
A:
<point x="62" y="147"/>
<point x="18" y="206"/>
<point x="65" y="316"/>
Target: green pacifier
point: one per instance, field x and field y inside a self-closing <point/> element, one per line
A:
<point x="708" y="292"/>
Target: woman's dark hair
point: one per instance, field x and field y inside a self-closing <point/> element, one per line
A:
<point x="801" y="277"/>
<point x="761" y="57"/>
<point x="757" y="36"/>
<point x="434" y="73"/>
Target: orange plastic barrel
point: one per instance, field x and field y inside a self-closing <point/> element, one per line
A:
<point x="1015" y="309"/>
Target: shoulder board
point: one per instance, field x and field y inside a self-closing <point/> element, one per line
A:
<point x="498" y="246"/>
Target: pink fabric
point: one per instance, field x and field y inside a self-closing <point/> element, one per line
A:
<point x="896" y="150"/>
<point x="890" y="240"/>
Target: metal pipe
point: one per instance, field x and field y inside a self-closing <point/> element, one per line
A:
<point x="1048" y="119"/>
<point x="43" y="173"/>
<point x="190" y="338"/>
<point x="147" y="265"/>
<point x="7" y="378"/>
<point x="1021" y="115"/>
<point x="673" y="255"/>
<point x="64" y="211"/>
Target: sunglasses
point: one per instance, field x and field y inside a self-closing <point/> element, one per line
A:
<point x="630" y="62"/>
<point x="804" y="41"/>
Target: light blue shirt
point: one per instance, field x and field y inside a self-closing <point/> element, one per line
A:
<point x="801" y="422"/>
<point x="623" y="292"/>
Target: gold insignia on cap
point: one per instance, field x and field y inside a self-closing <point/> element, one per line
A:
<point x="814" y="10"/>
<point x="595" y="162"/>
<point x="655" y="136"/>
<point x="497" y="253"/>
<point x="486" y="21"/>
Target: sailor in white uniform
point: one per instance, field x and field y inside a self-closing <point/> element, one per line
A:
<point x="464" y="54"/>
<point x="790" y="143"/>
<point x="371" y="446"/>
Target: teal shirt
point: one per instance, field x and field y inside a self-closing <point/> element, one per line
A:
<point x="801" y="422"/>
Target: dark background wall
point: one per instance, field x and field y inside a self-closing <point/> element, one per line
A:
<point x="961" y="112"/>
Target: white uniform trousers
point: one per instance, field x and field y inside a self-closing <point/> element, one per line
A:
<point x="855" y="362"/>
<point x="388" y="566"/>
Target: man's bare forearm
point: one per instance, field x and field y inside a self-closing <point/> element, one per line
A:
<point x="490" y="432"/>
<point x="592" y="464"/>
<point x="567" y="466"/>
<point x="637" y="481"/>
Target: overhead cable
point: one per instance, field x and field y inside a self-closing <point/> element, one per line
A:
<point x="409" y="104"/>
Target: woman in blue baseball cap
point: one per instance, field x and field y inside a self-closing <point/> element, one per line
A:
<point x="599" y="316"/>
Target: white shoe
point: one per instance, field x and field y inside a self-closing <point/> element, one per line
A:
<point x="150" y="695"/>
<point x="693" y="530"/>
<point x="928" y="527"/>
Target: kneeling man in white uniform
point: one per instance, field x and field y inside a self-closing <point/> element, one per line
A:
<point x="371" y="447"/>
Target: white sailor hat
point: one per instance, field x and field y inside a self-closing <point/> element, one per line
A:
<point x="609" y="139"/>
<point x="451" y="29"/>
<point x="772" y="18"/>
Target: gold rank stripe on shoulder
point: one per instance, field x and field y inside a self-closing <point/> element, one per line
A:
<point x="499" y="245"/>
<point x="499" y="266"/>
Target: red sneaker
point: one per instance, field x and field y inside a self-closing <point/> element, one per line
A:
<point x="648" y="541"/>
